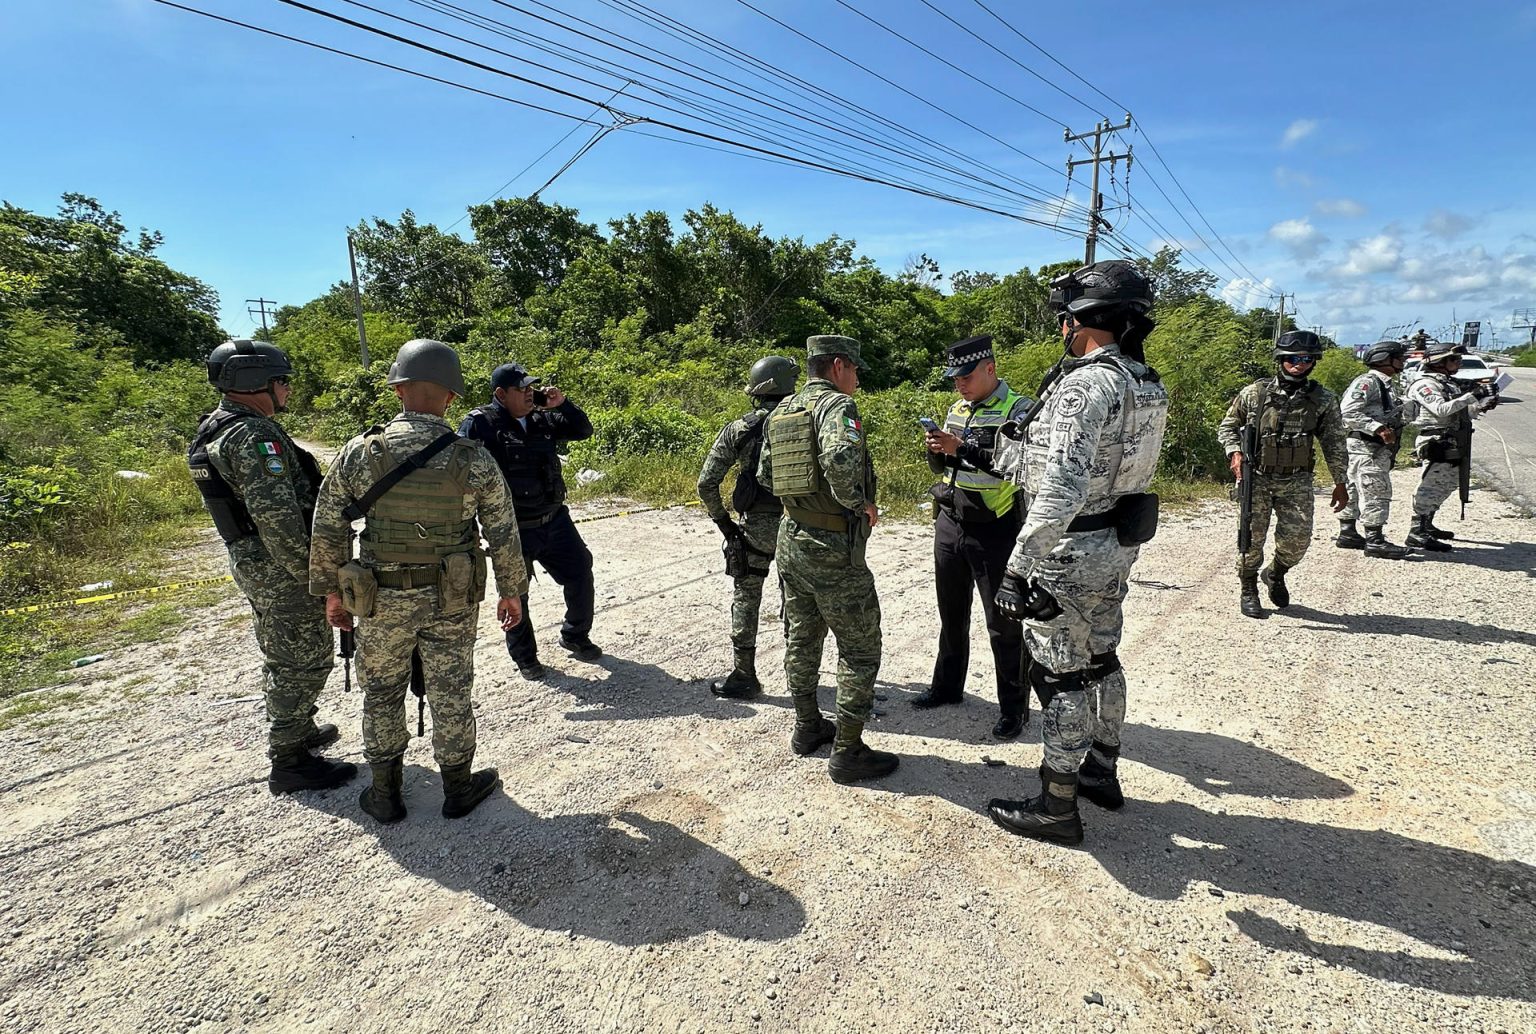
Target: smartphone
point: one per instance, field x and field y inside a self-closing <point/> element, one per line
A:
<point x="928" y="425"/>
<point x="540" y="397"/>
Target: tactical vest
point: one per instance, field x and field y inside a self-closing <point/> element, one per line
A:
<point x="231" y="518"/>
<point x="748" y="495"/>
<point x="991" y="496"/>
<point x="1287" y="428"/>
<point x="528" y="460"/>
<point x="420" y="520"/>
<point x="797" y="478"/>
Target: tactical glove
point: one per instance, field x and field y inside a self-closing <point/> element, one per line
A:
<point x="729" y="528"/>
<point x="1018" y="598"/>
<point x="1483" y="391"/>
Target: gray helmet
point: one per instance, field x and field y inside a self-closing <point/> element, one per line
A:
<point x="431" y="361"/>
<point x="1104" y="289"/>
<point x="773" y="375"/>
<point x="1383" y="352"/>
<point x="1298" y="342"/>
<point x="244" y="365"/>
<point x="1439" y="351"/>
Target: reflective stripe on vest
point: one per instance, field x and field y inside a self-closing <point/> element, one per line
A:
<point x="985" y="420"/>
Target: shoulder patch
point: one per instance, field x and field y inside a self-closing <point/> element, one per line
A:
<point x="1071" y="402"/>
<point x="274" y="465"/>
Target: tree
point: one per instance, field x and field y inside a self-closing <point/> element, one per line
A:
<point x="1172" y="284"/>
<point x="528" y="244"/>
<point x="420" y="274"/>
<point x="921" y="271"/>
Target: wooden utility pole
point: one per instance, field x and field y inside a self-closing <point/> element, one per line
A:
<point x="1280" y="319"/>
<point x="357" y="303"/>
<point x="1096" y="200"/>
<point x="261" y="308"/>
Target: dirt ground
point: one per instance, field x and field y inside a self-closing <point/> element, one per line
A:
<point x="1331" y="825"/>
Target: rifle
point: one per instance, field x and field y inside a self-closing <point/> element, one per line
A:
<point x="1248" y="449"/>
<point x="346" y="651"/>
<point x="419" y="687"/>
<point x="1463" y="436"/>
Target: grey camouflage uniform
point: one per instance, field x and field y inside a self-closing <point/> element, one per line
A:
<point x="258" y="460"/>
<point x="826" y="582"/>
<point x="1369" y="405"/>
<point x="1288" y="497"/>
<point x="404" y="620"/>
<point x="1069" y="464"/>
<point x="1442" y="403"/>
<point x="761" y="527"/>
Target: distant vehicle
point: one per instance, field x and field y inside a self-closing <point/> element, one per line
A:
<point x="1473" y="371"/>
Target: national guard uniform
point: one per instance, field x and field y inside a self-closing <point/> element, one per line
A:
<point x="1088" y="453"/>
<point x="750" y="543"/>
<point x="1370" y="410"/>
<point x="418" y="580"/>
<point x="977" y="517"/>
<point x="816" y="460"/>
<point x="259" y="486"/>
<point x="1444" y="409"/>
<point x="526" y="449"/>
<point x="1291" y="411"/>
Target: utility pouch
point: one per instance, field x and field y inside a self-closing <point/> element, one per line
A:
<point x="456" y="584"/>
<point x="1136" y="518"/>
<point x="359" y="589"/>
<point x="943" y="494"/>
<point x="1442" y="450"/>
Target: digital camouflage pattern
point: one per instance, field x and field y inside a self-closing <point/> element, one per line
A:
<point x="1370" y="405"/>
<point x="1330" y="431"/>
<point x="761" y="528"/>
<point x="407" y="619"/>
<point x="1442" y="405"/>
<point x="827" y="584"/>
<point x="259" y="461"/>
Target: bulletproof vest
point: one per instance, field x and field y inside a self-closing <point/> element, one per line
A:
<point x="1287" y="427"/>
<point x="1448" y="388"/>
<point x="980" y="423"/>
<point x="421" y="519"/>
<point x="793" y="438"/>
<point x="748" y="494"/>
<point x="230" y="517"/>
<point x="528" y="460"/>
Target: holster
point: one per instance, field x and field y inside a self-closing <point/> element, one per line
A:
<point x="1441" y="450"/>
<point x="359" y="589"/>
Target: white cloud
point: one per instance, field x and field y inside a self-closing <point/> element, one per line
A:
<point x="1446" y="225"/>
<point x="1339" y="208"/>
<point x="1244" y="294"/>
<point x="1379" y="254"/>
<point x="1298" y="131"/>
<point x="1293" y="178"/>
<point x="1300" y="236"/>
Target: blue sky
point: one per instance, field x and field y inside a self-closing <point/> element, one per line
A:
<point x="1373" y="158"/>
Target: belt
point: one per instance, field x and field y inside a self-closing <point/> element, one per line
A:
<point x="539" y="522"/>
<point x="408" y="578"/>
<point x="813" y="519"/>
<point x="1093" y="522"/>
<point x="1369" y="439"/>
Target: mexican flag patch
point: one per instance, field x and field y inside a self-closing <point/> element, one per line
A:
<point x="852" y="424"/>
<point x="269" y="448"/>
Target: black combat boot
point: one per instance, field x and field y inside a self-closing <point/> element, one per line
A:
<point x="1376" y="544"/>
<point x="1437" y="532"/>
<point x="463" y="790"/>
<point x="295" y="768"/>
<point x="1349" y="536"/>
<point x="852" y="761"/>
<point x="1421" y="537"/>
<point x="812" y="729"/>
<point x="1051" y="817"/>
<point x="1248" y="602"/>
<point x="1273" y="578"/>
<point x="382" y="800"/>
<point x="742" y="682"/>
<point x="1099" y="783"/>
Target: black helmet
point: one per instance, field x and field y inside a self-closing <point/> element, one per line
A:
<point x="773" y="375"/>
<point x="244" y="365"/>
<point x="1298" y="342"/>
<point x="1439" y="351"/>
<point x="1383" y="352"/>
<point x="1104" y="289"/>
<point x="431" y="361"/>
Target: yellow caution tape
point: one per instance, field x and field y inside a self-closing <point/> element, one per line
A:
<point x="126" y="593"/>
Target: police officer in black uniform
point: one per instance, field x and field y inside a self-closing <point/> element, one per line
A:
<point x="523" y="427"/>
<point x="976" y="519"/>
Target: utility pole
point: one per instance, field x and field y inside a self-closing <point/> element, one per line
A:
<point x="1280" y="318"/>
<point x="357" y="303"/>
<point x="261" y="309"/>
<point x="1096" y="200"/>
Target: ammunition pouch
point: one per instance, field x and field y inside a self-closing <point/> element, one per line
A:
<point x="1136" y="518"/>
<point x="461" y="582"/>
<point x="1440" y="449"/>
<point x="359" y="589"/>
<point x="738" y="559"/>
<point x="792" y="437"/>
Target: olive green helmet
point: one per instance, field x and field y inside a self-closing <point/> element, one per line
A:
<point x="431" y="361"/>
<point x="773" y="375"/>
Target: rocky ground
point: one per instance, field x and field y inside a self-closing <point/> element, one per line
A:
<point x="1331" y="825"/>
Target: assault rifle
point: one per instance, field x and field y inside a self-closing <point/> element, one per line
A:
<point x="419" y="687"/>
<point x="1463" y="437"/>
<point x="1248" y="448"/>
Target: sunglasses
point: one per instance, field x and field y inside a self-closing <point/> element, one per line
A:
<point x="1299" y="360"/>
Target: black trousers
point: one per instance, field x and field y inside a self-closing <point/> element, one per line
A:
<point x="973" y="556"/>
<point x="559" y="549"/>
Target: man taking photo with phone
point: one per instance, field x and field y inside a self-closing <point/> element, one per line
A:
<point x="523" y="426"/>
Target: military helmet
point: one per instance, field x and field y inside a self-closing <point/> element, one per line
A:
<point x="773" y="375"/>
<point x="1298" y="342"/>
<point x="1383" y="352"/>
<point x="431" y="361"/>
<point x="1440" y="351"/>
<point x="1102" y="289"/>
<point x="244" y="365"/>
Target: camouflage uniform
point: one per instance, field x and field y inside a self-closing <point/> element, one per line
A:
<point x="1368" y="406"/>
<point x="760" y="523"/>
<point x="412" y="618"/>
<point x="1303" y="409"/>
<point x="1442" y="405"/>
<point x="262" y="465"/>
<point x="826" y="582"/>
<point x="1096" y="439"/>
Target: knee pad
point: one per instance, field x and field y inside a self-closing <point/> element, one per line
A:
<point x="1048" y="683"/>
<point x="1103" y="665"/>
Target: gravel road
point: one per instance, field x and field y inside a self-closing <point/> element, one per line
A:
<point x="1331" y="827"/>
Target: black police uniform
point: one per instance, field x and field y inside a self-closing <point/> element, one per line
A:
<point x="526" y="452"/>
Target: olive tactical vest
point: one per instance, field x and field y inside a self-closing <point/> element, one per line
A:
<point x="797" y="476"/>
<point x="420" y="520"/>
<point x="1287" y="428"/>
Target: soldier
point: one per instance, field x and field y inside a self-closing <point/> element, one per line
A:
<point x="420" y="574"/>
<point x="1087" y="454"/>
<point x="523" y="426"/>
<point x="976" y="519"/>
<point x="1374" y="417"/>
<point x="259" y="487"/>
<point x="750" y="544"/>
<point x="1445" y="408"/>
<point x="1291" y="412"/>
<point x="816" y="460"/>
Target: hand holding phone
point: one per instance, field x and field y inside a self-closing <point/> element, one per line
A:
<point x="928" y="424"/>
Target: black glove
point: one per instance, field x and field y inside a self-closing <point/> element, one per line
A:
<point x="729" y="528"/>
<point x="1018" y="599"/>
<point x="1483" y="391"/>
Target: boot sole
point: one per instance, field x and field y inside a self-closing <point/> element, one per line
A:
<point x="1071" y="839"/>
<point x="1350" y="545"/>
<point x="924" y="704"/>
<point x="718" y="689"/>
<point x="806" y="751"/>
